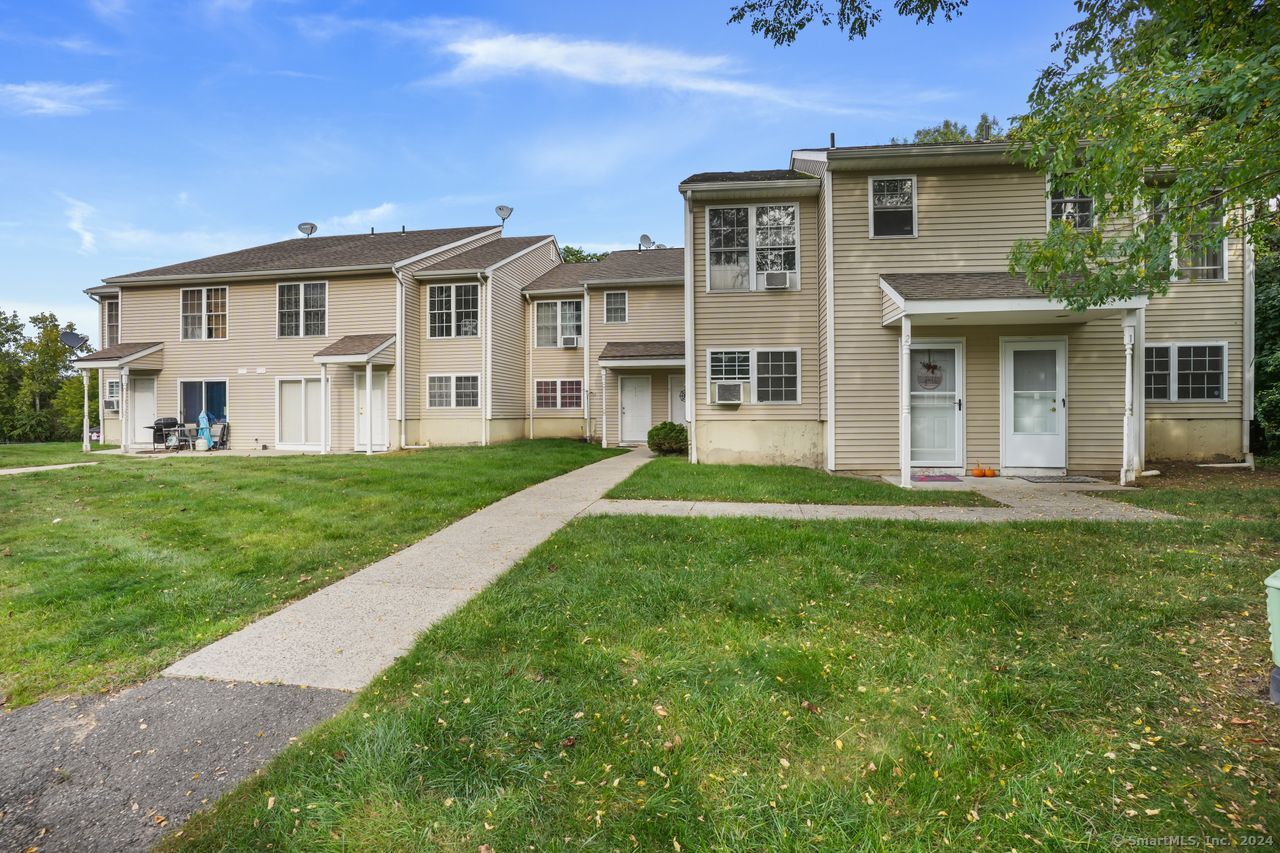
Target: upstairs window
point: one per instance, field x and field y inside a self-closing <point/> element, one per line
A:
<point x="453" y="310"/>
<point x="755" y="247"/>
<point x="110" y="322"/>
<point x="1183" y="372"/>
<point x="1194" y="257"/>
<point x="615" y="307"/>
<point x="893" y="206"/>
<point x="302" y="309"/>
<point x="1069" y="207"/>
<point x="556" y="320"/>
<point x="204" y="313"/>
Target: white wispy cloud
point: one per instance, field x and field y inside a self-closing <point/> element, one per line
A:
<point x="78" y="216"/>
<point x="360" y="219"/>
<point x="79" y="44"/>
<point x="480" y="52"/>
<point x="54" y="99"/>
<point x="109" y="9"/>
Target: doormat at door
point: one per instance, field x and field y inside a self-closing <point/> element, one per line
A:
<point x="934" y="478"/>
<point x="1067" y="478"/>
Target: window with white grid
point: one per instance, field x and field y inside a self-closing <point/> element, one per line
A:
<point x="615" y="307"/>
<point x="1186" y="372"/>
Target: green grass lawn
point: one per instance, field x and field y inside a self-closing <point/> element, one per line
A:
<point x="687" y="684"/>
<point x="1209" y="492"/>
<point x="46" y="453"/>
<point x="110" y="573"/>
<point x="669" y="478"/>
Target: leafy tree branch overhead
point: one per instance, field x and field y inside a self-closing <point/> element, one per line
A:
<point x="1164" y="112"/>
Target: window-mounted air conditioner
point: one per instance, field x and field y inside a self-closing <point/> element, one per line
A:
<point x="110" y="405"/>
<point x="777" y="280"/>
<point x="569" y="342"/>
<point x="726" y="393"/>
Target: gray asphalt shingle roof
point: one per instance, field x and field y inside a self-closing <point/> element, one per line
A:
<point x="117" y="351"/>
<point x="307" y="253"/>
<point x="484" y="255"/>
<point x="643" y="349"/>
<point x="620" y="266"/>
<point x="355" y="344"/>
<point x="961" y="285"/>
<point x="752" y="175"/>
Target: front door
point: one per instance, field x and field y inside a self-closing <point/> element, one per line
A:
<point x="379" y="411"/>
<point x="1033" y="405"/>
<point x="142" y="407"/>
<point x="675" y="394"/>
<point x="636" y="414"/>
<point x="937" y="405"/>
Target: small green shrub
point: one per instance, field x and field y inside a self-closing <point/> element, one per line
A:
<point x="669" y="439"/>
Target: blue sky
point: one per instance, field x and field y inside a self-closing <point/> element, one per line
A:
<point x="135" y="133"/>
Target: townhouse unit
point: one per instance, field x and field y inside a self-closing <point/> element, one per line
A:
<point x="374" y="342"/>
<point x="852" y="312"/>
<point x="855" y="312"/>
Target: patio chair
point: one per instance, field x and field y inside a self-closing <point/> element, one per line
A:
<point x="219" y="433"/>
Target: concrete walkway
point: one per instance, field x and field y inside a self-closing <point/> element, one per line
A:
<point x="1023" y="502"/>
<point x="4" y="472"/>
<point x="348" y="632"/>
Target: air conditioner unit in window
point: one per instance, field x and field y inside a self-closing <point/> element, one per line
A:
<point x="726" y="393"/>
<point x="569" y="342"/>
<point x="777" y="280"/>
<point x="110" y="405"/>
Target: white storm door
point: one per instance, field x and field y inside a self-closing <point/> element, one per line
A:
<point x="636" y="408"/>
<point x="937" y="405"/>
<point x="142" y="407"/>
<point x="675" y="394"/>
<point x="1034" y="403"/>
<point x="379" y="411"/>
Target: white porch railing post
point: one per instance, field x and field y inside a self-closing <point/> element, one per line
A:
<point x="604" y="407"/>
<point x="324" y="404"/>
<point x="124" y="410"/>
<point x="1126" y="462"/>
<point x="904" y="399"/>
<point x="84" y="374"/>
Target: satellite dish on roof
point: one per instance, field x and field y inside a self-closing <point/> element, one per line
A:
<point x="646" y="242"/>
<point x="503" y="211"/>
<point x="73" y="340"/>
<point x="307" y="228"/>
<point x="661" y="246"/>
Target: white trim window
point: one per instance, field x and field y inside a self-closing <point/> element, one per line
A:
<point x="773" y="374"/>
<point x="753" y="247"/>
<point x="1186" y="372"/>
<point x="202" y="395"/>
<point x="1194" y="258"/>
<point x="1073" y="208"/>
<point x="557" y="394"/>
<point x="453" y="311"/>
<point x="302" y="309"/>
<point x="615" y="306"/>
<point x="555" y="320"/>
<point x="891" y="200"/>
<point x="111" y="322"/>
<point x="111" y="396"/>
<point x="453" y="391"/>
<point x="204" y="313"/>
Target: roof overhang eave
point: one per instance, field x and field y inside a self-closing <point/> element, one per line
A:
<point x="1017" y="310"/>
<point x="615" y="282"/>
<point x="108" y="363"/>
<point x="359" y="358"/>
<point x="248" y="275"/>
<point x="641" y="362"/>
<point x="731" y="190"/>
<point x="897" y="157"/>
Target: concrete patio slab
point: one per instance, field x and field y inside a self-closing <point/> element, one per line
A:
<point x="348" y="632"/>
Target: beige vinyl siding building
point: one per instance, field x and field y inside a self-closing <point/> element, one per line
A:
<point x="508" y="359"/>
<point x="752" y="321"/>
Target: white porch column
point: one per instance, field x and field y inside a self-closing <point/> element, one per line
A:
<point x="904" y="400"/>
<point x="84" y="374"/>
<point x="604" y="407"/>
<point x="324" y="406"/>
<point x="1129" y="443"/>
<point x="368" y="407"/>
<point x="125" y="391"/>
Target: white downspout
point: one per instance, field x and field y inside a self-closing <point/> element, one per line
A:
<point x="400" y="305"/>
<point x="1126" y="451"/>
<point x="690" y="371"/>
<point x="586" y="362"/>
<point x="828" y="185"/>
<point x="904" y="400"/>
<point x="604" y="407"/>
<point x="368" y="408"/>
<point x="125" y="425"/>
<point x="84" y="374"/>
<point x="530" y="339"/>
<point x="486" y="350"/>
<point x="324" y="402"/>
<point x="1247" y="379"/>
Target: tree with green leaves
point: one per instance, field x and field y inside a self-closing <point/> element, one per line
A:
<point x="578" y="255"/>
<point x="986" y="130"/>
<point x="35" y="372"/>
<point x="1164" y="112"/>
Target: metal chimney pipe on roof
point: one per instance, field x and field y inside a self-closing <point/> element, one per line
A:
<point x="833" y="139"/>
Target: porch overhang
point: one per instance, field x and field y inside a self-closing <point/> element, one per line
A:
<point x="358" y="350"/>
<point x="977" y="299"/>
<point x="122" y="355"/>
<point x="630" y="354"/>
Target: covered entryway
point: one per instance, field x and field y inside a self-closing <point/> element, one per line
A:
<point x="369" y="358"/>
<point x="1033" y="404"/>
<point x="643" y="385"/>
<point x="985" y="383"/>
<point x="139" y="366"/>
